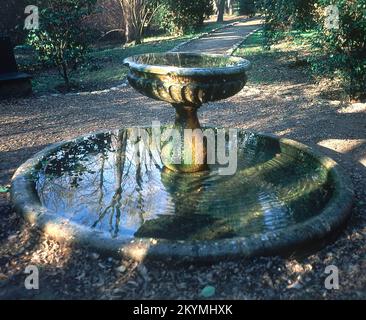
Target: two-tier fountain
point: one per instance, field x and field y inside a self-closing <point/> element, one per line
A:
<point x="165" y="192"/>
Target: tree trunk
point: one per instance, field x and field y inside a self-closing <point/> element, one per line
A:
<point x="65" y="75"/>
<point x="220" y="10"/>
<point x="230" y="7"/>
<point x="132" y="12"/>
<point x="132" y="34"/>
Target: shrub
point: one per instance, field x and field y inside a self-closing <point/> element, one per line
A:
<point x="63" y="38"/>
<point x="247" y="7"/>
<point x="338" y="51"/>
<point x="183" y="16"/>
<point x="285" y="15"/>
<point x="342" y="50"/>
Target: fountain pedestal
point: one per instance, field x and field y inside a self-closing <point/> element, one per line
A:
<point x="191" y="147"/>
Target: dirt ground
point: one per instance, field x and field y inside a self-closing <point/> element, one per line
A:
<point x="291" y="106"/>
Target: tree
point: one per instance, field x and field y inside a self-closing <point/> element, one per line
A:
<point x="230" y="7"/>
<point x="62" y="39"/>
<point x="138" y="15"/>
<point x="220" y="4"/>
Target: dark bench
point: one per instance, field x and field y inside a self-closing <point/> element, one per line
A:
<point x="12" y="82"/>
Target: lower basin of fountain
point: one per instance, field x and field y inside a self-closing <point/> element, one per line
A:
<point x="283" y="197"/>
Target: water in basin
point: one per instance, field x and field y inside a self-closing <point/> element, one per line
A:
<point x="186" y="60"/>
<point x="95" y="182"/>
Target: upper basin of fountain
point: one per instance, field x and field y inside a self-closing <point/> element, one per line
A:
<point x="187" y="64"/>
<point x="187" y="78"/>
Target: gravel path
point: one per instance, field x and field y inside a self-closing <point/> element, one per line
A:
<point x="289" y="107"/>
<point x="223" y="39"/>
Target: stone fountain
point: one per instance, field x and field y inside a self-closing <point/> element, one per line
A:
<point x="126" y="192"/>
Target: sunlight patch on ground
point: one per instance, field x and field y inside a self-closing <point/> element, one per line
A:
<point x="283" y="132"/>
<point x="253" y="22"/>
<point x="249" y="90"/>
<point x="354" y="108"/>
<point x="363" y="161"/>
<point x="341" y="145"/>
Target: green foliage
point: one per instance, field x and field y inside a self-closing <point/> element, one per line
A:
<point x="342" y="51"/>
<point x="284" y="15"/>
<point x="337" y="52"/>
<point x="161" y="21"/>
<point x="183" y="16"/>
<point x="63" y="37"/>
<point x="247" y="7"/>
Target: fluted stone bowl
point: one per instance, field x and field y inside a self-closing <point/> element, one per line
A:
<point x="189" y="79"/>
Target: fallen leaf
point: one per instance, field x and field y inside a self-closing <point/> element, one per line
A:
<point x="3" y="189"/>
<point x="208" y="291"/>
<point x="121" y="268"/>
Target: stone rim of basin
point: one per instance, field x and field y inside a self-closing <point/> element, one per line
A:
<point x="315" y="230"/>
<point x="241" y="65"/>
